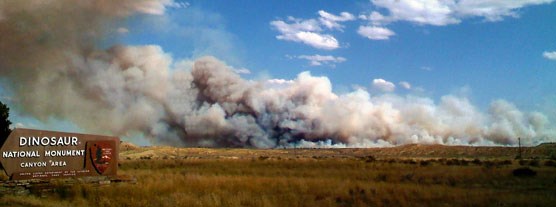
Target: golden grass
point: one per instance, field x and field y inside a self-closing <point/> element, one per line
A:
<point x="309" y="182"/>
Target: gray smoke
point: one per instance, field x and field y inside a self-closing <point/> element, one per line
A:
<point x="49" y="59"/>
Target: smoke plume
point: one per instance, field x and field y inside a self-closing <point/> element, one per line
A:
<point x="50" y="60"/>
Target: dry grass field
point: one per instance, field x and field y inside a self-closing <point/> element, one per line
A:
<point x="412" y="175"/>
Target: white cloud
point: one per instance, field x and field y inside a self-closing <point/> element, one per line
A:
<point x="310" y="31"/>
<point x="438" y="13"/>
<point x="305" y="31"/>
<point x="445" y="12"/>
<point x="426" y="68"/>
<point x="331" y="21"/>
<point x="296" y="25"/>
<point x="241" y="70"/>
<point x="280" y="81"/>
<point x="321" y="41"/>
<point x="405" y="84"/>
<point x="375" y="33"/>
<point x="383" y="85"/>
<point x="375" y="18"/>
<point x="493" y="10"/>
<point x="179" y="5"/>
<point x="549" y="55"/>
<point x="122" y="30"/>
<point x="318" y="60"/>
<point x="432" y="12"/>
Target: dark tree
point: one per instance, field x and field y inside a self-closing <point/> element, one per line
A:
<point x="4" y="123"/>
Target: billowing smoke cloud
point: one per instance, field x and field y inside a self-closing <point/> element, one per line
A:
<point x="49" y="60"/>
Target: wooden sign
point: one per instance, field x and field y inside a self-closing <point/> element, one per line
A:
<point x="38" y="154"/>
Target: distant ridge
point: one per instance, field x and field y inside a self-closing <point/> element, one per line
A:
<point x="547" y="144"/>
<point x="435" y="151"/>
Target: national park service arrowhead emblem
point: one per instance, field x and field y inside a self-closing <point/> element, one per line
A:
<point x="101" y="153"/>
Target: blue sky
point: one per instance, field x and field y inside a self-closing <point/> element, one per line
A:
<point x="485" y="50"/>
<point x="487" y="56"/>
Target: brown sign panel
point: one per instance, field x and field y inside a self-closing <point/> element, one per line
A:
<point x="38" y="154"/>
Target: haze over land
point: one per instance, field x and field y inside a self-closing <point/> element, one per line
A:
<point x="64" y="60"/>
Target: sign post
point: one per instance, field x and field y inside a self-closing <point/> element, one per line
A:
<point x="38" y="154"/>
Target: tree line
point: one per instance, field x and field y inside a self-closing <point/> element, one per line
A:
<point x="4" y="123"/>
